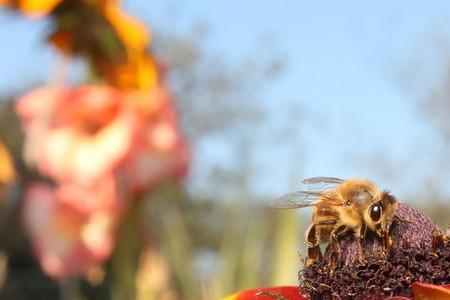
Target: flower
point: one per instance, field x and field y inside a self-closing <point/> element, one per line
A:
<point x="71" y="227"/>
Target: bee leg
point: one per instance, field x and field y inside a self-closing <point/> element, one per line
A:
<point x="400" y="219"/>
<point x="387" y="242"/>
<point x="338" y="232"/>
<point x="335" y="249"/>
<point x="334" y="256"/>
<point x="360" y="234"/>
<point x="313" y="245"/>
<point x="438" y="239"/>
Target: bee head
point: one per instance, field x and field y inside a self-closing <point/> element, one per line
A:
<point x="355" y="196"/>
<point x="380" y="212"/>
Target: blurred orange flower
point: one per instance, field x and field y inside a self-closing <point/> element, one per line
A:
<point x="34" y="8"/>
<point x="7" y="172"/>
<point x="72" y="228"/>
<point x="114" y="43"/>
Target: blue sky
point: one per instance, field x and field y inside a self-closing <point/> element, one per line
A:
<point x="344" y="62"/>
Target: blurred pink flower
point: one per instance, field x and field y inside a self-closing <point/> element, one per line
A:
<point x="86" y="139"/>
<point x="81" y="134"/>
<point x="72" y="228"/>
<point x="76" y="134"/>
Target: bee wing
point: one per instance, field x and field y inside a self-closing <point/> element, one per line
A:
<point x="321" y="184"/>
<point x="314" y="180"/>
<point x="300" y="199"/>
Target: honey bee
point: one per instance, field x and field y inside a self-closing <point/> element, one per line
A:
<point x="341" y="207"/>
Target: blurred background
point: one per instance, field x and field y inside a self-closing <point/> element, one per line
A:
<point x="267" y="94"/>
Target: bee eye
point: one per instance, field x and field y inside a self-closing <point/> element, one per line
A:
<point x="347" y="203"/>
<point x="375" y="212"/>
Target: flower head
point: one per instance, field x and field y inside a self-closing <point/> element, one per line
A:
<point x="420" y="253"/>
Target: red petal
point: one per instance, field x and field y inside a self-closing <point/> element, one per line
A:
<point x="269" y="293"/>
<point x="423" y="291"/>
